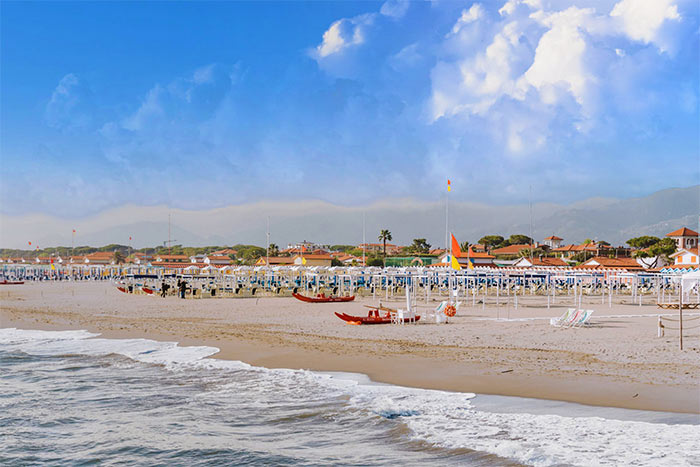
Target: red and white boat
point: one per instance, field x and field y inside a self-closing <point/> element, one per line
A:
<point x="147" y="290"/>
<point x="373" y="317"/>
<point x="6" y="282"/>
<point x="321" y="298"/>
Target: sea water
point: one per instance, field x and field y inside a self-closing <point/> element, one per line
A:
<point x="71" y="398"/>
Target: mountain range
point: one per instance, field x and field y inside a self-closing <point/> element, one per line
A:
<point x="612" y="220"/>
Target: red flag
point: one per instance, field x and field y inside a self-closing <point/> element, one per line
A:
<point x="456" y="250"/>
<point x="129" y="237"/>
<point x="30" y="243"/>
<point x="73" y="230"/>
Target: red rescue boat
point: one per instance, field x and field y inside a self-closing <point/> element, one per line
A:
<point x="147" y="290"/>
<point x="121" y="289"/>
<point x="373" y="317"/>
<point x="6" y="282"/>
<point x="321" y="298"/>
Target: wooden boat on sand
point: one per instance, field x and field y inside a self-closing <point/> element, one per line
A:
<point x="147" y="290"/>
<point x="321" y="298"/>
<point x="121" y="289"/>
<point x="6" y="282"/>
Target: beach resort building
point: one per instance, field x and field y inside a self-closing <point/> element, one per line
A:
<point x="684" y="237"/>
<point x="304" y="246"/>
<point x="275" y="261"/>
<point x="541" y="261"/>
<point x="225" y="252"/>
<point x="686" y="258"/>
<point x="567" y="251"/>
<point x="217" y="260"/>
<point x="604" y="262"/>
<point x="511" y="250"/>
<point x="173" y="261"/>
<point x="553" y="241"/>
<point x="99" y="258"/>
<point x="346" y="258"/>
<point x="313" y="260"/>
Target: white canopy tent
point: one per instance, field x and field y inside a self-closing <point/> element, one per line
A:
<point x="690" y="281"/>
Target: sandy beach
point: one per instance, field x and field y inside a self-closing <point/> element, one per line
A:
<point x="617" y="361"/>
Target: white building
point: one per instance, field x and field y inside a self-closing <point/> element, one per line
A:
<point x="686" y="257"/>
<point x="553" y="241"/>
<point x="684" y="237"/>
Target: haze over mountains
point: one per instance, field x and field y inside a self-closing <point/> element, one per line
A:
<point x="613" y="220"/>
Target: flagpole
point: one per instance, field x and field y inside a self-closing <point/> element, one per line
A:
<point x="447" y="217"/>
<point x="364" y="241"/>
<point x="268" y="242"/>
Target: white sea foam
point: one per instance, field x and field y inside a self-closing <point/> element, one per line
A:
<point x="85" y="343"/>
<point x="441" y="418"/>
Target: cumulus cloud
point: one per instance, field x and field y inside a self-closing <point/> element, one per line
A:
<point x="537" y="56"/>
<point x="642" y="20"/>
<point x="475" y="12"/>
<point x="344" y="33"/>
<point x="556" y="65"/>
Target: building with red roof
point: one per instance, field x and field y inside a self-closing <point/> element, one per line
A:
<point x="684" y="237"/>
<point x="511" y="250"/>
<point x="603" y="262"/>
<point x="553" y="241"/>
<point x="686" y="258"/>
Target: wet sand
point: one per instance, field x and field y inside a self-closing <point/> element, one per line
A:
<point x="617" y="361"/>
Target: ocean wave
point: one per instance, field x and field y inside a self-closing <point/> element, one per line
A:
<point x="278" y="397"/>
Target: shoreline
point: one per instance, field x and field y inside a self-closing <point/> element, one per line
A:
<point x="267" y="336"/>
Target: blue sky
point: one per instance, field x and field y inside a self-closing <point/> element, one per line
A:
<point x="199" y="105"/>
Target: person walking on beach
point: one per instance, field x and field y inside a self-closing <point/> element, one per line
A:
<point x="183" y="289"/>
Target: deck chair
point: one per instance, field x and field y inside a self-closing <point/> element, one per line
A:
<point x="563" y="318"/>
<point x="583" y="319"/>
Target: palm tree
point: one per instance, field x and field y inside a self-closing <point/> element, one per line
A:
<point x="274" y="250"/>
<point x="385" y="236"/>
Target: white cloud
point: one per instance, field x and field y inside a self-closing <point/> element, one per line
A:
<point x="558" y="65"/>
<point x="468" y="16"/>
<point x="394" y="8"/>
<point x="70" y="106"/>
<point x="509" y="7"/>
<point x="150" y="108"/>
<point x="476" y="83"/>
<point x="343" y="33"/>
<point x="642" y="19"/>
<point x="537" y="58"/>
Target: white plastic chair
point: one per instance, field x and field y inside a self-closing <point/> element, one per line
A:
<point x="403" y="316"/>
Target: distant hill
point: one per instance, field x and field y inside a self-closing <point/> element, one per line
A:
<point x="613" y="220"/>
